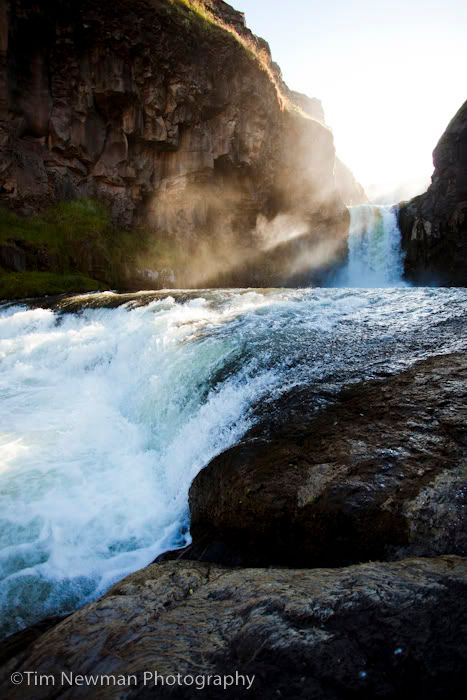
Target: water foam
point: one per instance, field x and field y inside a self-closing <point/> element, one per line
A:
<point x="106" y="418"/>
<point x="106" y="415"/>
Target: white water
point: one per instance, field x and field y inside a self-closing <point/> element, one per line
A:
<point x="106" y="415"/>
<point x="375" y="258"/>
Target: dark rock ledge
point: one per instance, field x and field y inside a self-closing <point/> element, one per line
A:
<point x="380" y="474"/>
<point x="389" y="630"/>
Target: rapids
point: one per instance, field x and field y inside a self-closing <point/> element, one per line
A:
<point x="111" y="404"/>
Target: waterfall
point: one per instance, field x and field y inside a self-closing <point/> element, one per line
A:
<point x="375" y="257"/>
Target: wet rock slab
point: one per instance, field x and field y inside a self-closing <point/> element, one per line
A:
<point x="386" y="630"/>
<point x="379" y="474"/>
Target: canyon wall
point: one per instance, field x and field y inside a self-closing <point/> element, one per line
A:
<point x="173" y="113"/>
<point x="434" y="224"/>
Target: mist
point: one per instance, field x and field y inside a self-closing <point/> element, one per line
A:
<point x="396" y="193"/>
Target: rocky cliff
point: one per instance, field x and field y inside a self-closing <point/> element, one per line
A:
<point x="173" y="113"/>
<point x="434" y="225"/>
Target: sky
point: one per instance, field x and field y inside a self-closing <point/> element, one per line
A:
<point x="390" y="75"/>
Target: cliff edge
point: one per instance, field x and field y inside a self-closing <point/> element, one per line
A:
<point x="434" y="224"/>
<point x="172" y="113"/>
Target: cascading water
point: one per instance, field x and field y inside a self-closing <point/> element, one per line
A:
<point x="375" y="258"/>
<point x="110" y="405"/>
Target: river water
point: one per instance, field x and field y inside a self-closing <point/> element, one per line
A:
<point x="111" y="404"/>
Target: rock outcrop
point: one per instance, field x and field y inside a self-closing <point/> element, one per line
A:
<point x="378" y="474"/>
<point x="434" y="225"/>
<point x="376" y="630"/>
<point x="172" y="112"/>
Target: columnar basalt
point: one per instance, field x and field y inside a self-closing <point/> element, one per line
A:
<point x="176" y="117"/>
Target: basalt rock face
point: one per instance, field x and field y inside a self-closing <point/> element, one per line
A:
<point x="178" y="119"/>
<point x="434" y="225"/>
<point x="376" y="630"/>
<point x="378" y="474"/>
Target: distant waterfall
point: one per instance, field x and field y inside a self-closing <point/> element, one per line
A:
<point x="375" y="257"/>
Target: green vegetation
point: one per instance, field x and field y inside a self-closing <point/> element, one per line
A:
<point x="58" y="226"/>
<point x="199" y="9"/>
<point x="56" y="250"/>
<point x="19" y="285"/>
<point x="194" y="16"/>
<point x="75" y="247"/>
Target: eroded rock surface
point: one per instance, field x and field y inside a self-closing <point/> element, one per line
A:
<point x="434" y="225"/>
<point x="375" y="630"/>
<point x="381" y="473"/>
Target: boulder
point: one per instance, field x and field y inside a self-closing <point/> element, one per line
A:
<point x="381" y="473"/>
<point x="375" y="630"/>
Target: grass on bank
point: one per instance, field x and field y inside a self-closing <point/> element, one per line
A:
<point x="199" y="9"/>
<point x="58" y="225"/>
<point x="60" y="236"/>
<point x="20" y="285"/>
<point x="74" y="247"/>
<point x="259" y="55"/>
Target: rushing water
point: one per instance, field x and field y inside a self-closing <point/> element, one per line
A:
<point x="375" y="257"/>
<point x="110" y="405"/>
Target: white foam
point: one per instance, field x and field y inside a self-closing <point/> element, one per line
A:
<point x="107" y="415"/>
<point x="105" y="419"/>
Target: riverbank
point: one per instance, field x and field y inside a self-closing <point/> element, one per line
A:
<point x="75" y="247"/>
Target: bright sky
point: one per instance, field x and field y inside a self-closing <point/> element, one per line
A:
<point x="390" y="75"/>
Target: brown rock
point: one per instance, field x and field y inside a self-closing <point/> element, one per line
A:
<point x="376" y="630"/>
<point x="379" y="474"/>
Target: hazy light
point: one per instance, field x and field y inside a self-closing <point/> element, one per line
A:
<point x="388" y="74"/>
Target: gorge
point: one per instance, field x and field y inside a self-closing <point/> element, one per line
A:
<point x="172" y="155"/>
<point x="187" y="139"/>
<point x="233" y="391"/>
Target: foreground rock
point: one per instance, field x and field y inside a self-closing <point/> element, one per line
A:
<point x="376" y="630"/>
<point x="381" y="473"/>
<point x="434" y="225"/>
